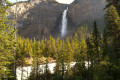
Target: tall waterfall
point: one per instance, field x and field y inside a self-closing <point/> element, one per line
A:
<point x="64" y="24"/>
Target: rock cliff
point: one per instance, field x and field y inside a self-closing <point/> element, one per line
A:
<point x="43" y="17"/>
<point x="83" y="12"/>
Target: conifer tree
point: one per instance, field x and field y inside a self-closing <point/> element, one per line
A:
<point x="116" y="3"/>
<point x="96" y="39"/>
<point x="37" y="55"/>
<point x="113" y="28"/>
<point x="90" y="58"/>
<point x="112" y="22"/>
<point x="105" y="44"/>
<point x="69" y="55"/>
<point x="52" y="46"/>
<point x="6" y="40"/>
<point x="93" y="51"/>
<point x="57" y="57"/>
<point x="63" y="57"/>
<point x="113" y="37"/>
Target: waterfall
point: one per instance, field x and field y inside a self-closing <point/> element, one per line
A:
<point x="64" y="24"/>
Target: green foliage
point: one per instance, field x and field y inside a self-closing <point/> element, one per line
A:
<point x="113" y="38"/>
<point x="116" y="3"/>
<point x="112" y="22"/>
<point x="6" y="41"/>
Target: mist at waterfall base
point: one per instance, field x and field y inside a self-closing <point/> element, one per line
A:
<point x="64" y="24"/>
<point x="28" y="69"/>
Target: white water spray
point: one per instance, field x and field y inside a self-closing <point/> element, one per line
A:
<point x="28" y="69"/>
<point x="64" y="23"/>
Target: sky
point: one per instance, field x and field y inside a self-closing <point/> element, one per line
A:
<point x="65" y="1"/>
<point x="60" y="1"/>
<point x="15" y="0"/>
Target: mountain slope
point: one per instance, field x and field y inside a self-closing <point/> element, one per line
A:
<point x="43" y="17"/>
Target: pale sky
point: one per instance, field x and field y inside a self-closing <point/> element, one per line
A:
<point x="65" y="1"/>
<point x="17" y="0"/>
<point x="60" y="1"/>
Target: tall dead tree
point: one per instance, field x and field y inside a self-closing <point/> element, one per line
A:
<point x="15" y="36"/>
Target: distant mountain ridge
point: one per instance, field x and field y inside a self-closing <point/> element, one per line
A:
<point x="43" y="17"/>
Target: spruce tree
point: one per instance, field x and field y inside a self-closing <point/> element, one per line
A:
<point x="90" y="52"/>
<point x="113" y="29"/>
<point x="116" y="3"/>
<point x="69" y="56"/>
<point x="112" y="22"/>
<point x="93" y="51"/>
<point x="113" y="37"/>
<point x="6" y="40"/>
<point x="57" y="58"/>
<point x="96" y="42"/>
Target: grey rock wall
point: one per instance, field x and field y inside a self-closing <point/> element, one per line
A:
<point x="43" y="17"/>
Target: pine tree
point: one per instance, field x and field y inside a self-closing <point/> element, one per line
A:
<point x="96" y="39"/>
<point x="93" y="52"/>
<point x="105" y="44"/>
<point x="112" y="22"/>
<point x="90" y="53"/>
<point x="113" y="28"/>
<point x="63" y="57"/>
<point x="113" y="37"/>
<point x="116" y="3"/>
<point x="6" y="40"/>
<point x="57" y="58"/>
<point x="69" y="55"/>
<point x="52" y="46"/>
<point x="46" y="53"/>
<point x="37" y="55"/>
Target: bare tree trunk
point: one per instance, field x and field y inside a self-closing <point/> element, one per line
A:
<point x="37" y="67"/>
<point x="67" y="69"/>
<point x="27" y="72"/>
<point x="88" y="68"/>
<point x="22" y="72"/>
<point x="0" y="3"/>
<point x="63" y="69"/>
<point x="15" y="20"/>
<point x="47" y="68"/>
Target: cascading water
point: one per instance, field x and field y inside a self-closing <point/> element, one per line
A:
<point x="64" y="24"/>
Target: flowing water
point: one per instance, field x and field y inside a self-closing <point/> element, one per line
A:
<point x="51" y="66"/>
<point x="28" y="69"/>
<point x="64" y="24"/>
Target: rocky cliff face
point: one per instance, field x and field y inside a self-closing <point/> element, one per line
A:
<point x="38" y="17"/>
<point x="83" y="12"/>
<point x="43" y="17"/>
